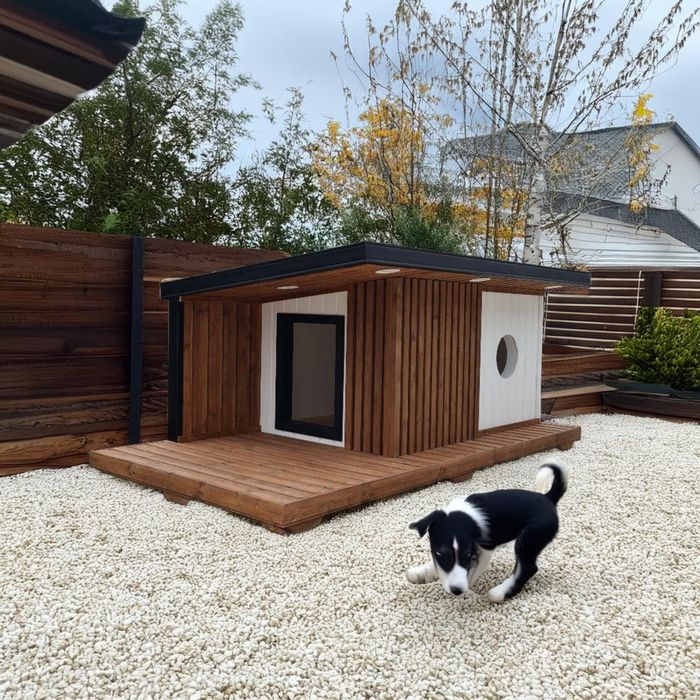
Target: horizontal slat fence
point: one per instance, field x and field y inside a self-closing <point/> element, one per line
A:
<point x="65" y="339"/>
<point x="681" y="290"/>
<point x="599" y="319"/>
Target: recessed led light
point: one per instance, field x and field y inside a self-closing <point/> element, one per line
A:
<point x="387" y="271"/>
<point x="289" y="286"/>
<point x="554" y="286"/>
<point x="480" y="279"/>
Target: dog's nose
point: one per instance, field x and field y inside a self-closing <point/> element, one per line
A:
<point x="456" y="590"/>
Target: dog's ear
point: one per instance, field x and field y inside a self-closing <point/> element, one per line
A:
<point x="423" y="525"/>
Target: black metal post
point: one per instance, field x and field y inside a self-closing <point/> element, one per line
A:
<point x="175" y="340"/>
<point x="136" y="362"/>
<point x="653" y="284"/>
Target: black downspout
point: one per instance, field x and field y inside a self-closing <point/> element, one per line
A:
<point x="175" y="337"/>
<point x="136" y="363"/>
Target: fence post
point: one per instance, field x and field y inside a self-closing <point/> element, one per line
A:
<point x="136" y="355"/>
<point x="653" y="283"/>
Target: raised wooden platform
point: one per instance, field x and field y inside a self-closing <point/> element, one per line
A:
<point x="291" y="485"/>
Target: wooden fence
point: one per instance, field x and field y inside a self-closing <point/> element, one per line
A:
<point x="608" y="312"/>
<point x="66" y="337"/>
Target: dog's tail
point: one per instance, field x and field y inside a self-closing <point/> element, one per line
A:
<point x="551" y="480"/>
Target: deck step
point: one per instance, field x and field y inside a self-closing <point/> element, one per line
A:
<point x="572" y="400"/>
<point x="558" y="392"/>
<point x="575" y="363"/>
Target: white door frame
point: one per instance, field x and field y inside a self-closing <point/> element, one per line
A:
<point x="334" y="304"/>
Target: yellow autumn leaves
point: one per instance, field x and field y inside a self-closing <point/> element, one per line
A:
<point x="379" y="161"/>
<point x="640" y="146"/>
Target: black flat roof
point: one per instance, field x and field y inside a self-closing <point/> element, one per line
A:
<point x="372" y="254"/>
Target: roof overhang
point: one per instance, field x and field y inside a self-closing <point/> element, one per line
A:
<point x="338" y="268"/>
<point x="53" y="51"/>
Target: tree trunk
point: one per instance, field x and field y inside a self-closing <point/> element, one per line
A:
<point x="532" y="252"/>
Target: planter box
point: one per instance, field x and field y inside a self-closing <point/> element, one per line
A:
<point x="653" y="403"/>
<point x="642" y="388"/>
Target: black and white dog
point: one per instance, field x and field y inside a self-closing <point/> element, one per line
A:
<point x="464" y="534"/>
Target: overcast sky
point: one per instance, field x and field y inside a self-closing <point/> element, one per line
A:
<point x="288" y="43"/>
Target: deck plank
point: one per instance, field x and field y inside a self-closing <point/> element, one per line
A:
<point x="285" y="483"/>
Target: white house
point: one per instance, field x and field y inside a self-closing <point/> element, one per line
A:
<point x="607" y="234"/>
<point x="665" y="235"/>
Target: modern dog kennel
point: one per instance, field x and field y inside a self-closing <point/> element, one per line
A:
<point x="312" y="384"/>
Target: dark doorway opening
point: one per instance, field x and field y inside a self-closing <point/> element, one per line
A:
<point x="310" y="369"/>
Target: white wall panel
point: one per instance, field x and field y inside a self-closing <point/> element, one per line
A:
<point x="503" y="401"/>
<point x="329" y="304"/>
<point x="600" y="242"/>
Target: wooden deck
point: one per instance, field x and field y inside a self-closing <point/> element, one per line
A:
<point x="291" y="485"/>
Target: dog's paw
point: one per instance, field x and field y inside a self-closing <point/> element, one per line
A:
<point x="497" y="594"/>
<point x="419" y="574"/>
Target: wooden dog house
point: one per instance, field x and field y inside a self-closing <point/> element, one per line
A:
<point x="312" y="384"/>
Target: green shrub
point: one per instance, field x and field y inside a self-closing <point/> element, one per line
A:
<point x="665" y="349"/>
<point x="415" y="229"/>
<point x="410" y="227"/>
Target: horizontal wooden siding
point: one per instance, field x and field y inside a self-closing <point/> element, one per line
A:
<point x="65" y="315"/>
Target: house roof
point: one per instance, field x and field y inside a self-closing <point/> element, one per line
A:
<point x="601" y="153"/>
<point x="51" y="52"/>
<point x="337" y="268"/>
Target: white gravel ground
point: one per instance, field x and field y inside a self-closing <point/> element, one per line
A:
<point x="108" y="590"/>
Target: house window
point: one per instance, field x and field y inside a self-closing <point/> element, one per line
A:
<point x="310" y="368"/>
<point x="506" y="356"/>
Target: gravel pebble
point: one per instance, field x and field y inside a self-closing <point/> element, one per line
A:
<point x="108" y="590"/>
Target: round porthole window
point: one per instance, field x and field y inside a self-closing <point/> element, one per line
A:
<point x="506" y="356"/>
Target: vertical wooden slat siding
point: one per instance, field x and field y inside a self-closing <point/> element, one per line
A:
<point x="243" y="378"/>
<point x="461" y="340"/>
<point x="188" y="334"/>
<point x="432" y="391"/>
<point x="200" y="368"/>
<point x="428" y="363"/>
<point x="405" y="367"/>
<point x="454" y="361"/>
<point x="221" y="368"/>
<point x="216" y="360"/>
<point x="392" y="369"/>
<point x="468" y="400"/>
<point x="359" y="368"/>
<point x="475" y="318"/>
<point x="350" y="354"/>
<point x="420" y="369"/>
<point x="256" y="362"/>
<point x="444" y="356"/>
<point x="379" y="381"/>
<point x="471" y="374"/>
<point x="414" y="350"/>
<point x="370" y="330"/>
<point x="230" y="370"/>
<point x="412" y="380"/>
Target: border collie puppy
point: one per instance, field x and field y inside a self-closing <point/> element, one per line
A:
<point x="464" y="534"/>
